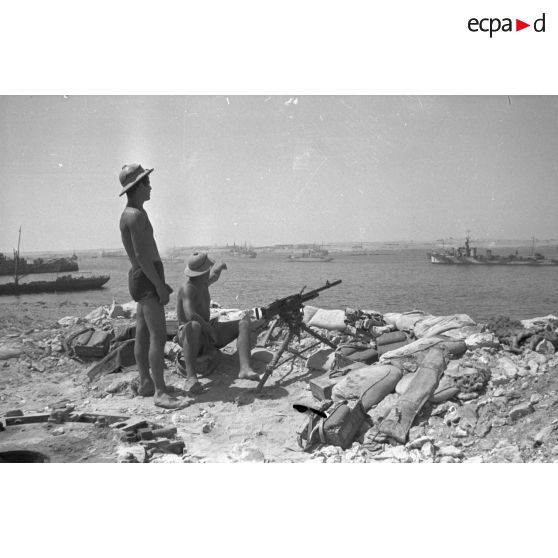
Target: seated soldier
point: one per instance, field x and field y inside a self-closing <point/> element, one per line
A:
<point x="199" y="335"/>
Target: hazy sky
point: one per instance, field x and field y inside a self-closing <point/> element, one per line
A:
<point x="279" y="169"/>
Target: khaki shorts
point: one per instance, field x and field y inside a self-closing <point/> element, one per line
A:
<point x="207" y="344"/>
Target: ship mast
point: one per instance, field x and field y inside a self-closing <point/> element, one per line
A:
<point x="16" y="258"/>
<point x="533" y="246"/>
<point x="467" y="247"/>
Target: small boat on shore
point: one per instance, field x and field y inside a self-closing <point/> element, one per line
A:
<point x="60" y="284"/>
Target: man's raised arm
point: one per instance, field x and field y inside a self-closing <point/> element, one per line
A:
<point x="215" y="272"/>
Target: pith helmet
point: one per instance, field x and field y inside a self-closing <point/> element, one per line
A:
<point x="131" y="174"/>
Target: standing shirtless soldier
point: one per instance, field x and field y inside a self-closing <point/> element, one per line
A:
<point x="199" y="335"/>
<point x="146" y="282"/>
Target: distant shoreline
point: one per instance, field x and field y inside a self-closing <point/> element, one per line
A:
<point x="337" y="247"/>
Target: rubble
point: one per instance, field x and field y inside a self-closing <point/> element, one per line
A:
<point x="495" y="402"/>
<point x="520" y="410"/>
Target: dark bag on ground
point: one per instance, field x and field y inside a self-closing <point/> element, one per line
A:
<point x="359" y="353"/>
<point x="391" y="337"/>
<point x="120" y="356"/>
<point x="124" y="332"/>
<point x="89" y="343"/>
<point x="343" y="425"/>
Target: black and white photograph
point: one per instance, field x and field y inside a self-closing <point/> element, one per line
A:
<point x="278" y="278"/>
<point x="335" y="279"/>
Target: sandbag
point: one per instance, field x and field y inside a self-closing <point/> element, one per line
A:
<point x="383" y="349"/>
<point x="403" y="384"/>
<point x="412" y="348"/>
<point x="436" y="325"/>
<point x="461" y="333"/>
<point x="308" y="313"/>
<point x="383" y="408"/>
<point x="357" y="381"/>
<point x="377" y="390"/>
<point x="445" y="390"/>
<point x="545" y="347"/>
<point x="10" y="351"/>
<point x="390" y="338"/>
<point x="456" y="348"/>
<point x="346" y="369"/>
<point x="407" y="320"/>
<point x="332" y="320"/>
<point x="391" y="318"/>
<point x="342" y="426"/>
<point x="320" y="360"/>
<point x="368" y="356"/>
<point x="359" y="354"/>
<point x="423" y="384"/>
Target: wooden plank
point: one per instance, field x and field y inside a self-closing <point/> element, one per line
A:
<point x="26" y="419"/>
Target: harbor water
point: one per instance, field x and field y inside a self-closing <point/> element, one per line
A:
<point x="386" y="282"/>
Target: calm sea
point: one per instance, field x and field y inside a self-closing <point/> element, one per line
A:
<point x="394" y="282"/>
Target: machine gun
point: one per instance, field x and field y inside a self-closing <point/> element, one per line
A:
<point x="289" y="310"/>
<point x="291" y="306"/>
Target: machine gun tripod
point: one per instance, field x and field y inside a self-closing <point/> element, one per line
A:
<point x="289" y="311"/>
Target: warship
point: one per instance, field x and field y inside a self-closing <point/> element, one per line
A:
<point x="469" y="255"/>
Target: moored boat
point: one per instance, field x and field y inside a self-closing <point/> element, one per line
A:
<point x="17" y="264"/>
<point x="468" y="255"/>
<point x="312" y="254"/>
<point x="242" y="251"/>
<point x="60" y="284"/>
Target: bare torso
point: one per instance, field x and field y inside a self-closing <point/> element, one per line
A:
<point x="193" y="298"/>
<point x="133" y="218"/>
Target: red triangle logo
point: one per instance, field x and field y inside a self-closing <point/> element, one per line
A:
<point x="519" y="25"/>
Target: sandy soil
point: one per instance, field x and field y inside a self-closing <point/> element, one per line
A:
<point x="227" y="419"/>
<point x="230" y="422"/>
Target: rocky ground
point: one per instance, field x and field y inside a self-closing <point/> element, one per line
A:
<point x="512" y="418"/>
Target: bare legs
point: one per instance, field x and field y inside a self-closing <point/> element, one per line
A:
<point x="190" y="348"/>
<point x="141" y="352"/>
<point x="149" y="349"/>
<point x="243" y="349"/>
<point x="241" y="330"/>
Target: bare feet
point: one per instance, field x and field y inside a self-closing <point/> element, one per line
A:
<point x="248" y="374"/>
<point x="166" y="401"/>
<point x="146" y="387"/>
<point x="174" y="391"/>
<point x="193" y="387"/>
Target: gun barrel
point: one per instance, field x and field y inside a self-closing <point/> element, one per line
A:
<point x="293" y="301"/>
<point x="313" y="294"/>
